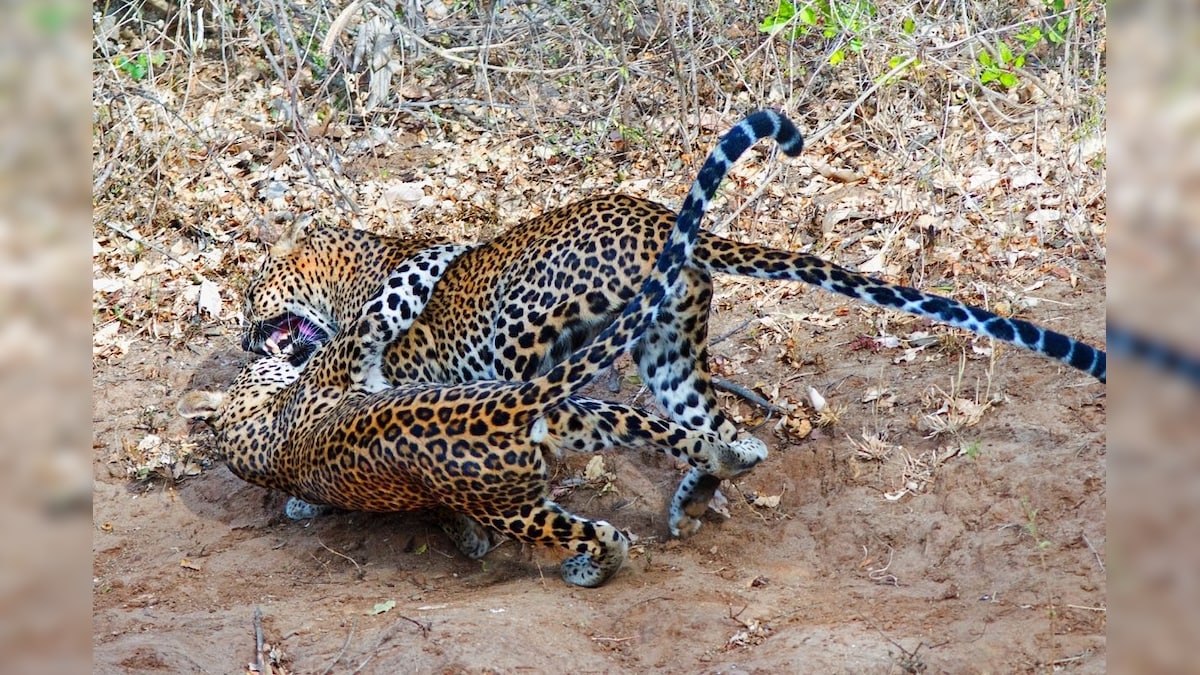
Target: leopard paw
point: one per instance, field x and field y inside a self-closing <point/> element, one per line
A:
<point x="298" y="509"/>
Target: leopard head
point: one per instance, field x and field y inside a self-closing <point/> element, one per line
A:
<point x="291" y="297"/>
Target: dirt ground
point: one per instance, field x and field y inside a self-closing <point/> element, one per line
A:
<point x="993" y="561"/>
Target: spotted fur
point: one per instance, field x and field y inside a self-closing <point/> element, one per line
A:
<point x="321" y="424"/>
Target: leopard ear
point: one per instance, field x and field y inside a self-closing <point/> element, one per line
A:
<point x="200" y="405"/>
<point x="294" y="233"/>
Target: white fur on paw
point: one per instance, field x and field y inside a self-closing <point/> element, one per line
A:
<point x="751" y="448"/>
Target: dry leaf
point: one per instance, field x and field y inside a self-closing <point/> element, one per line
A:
<point x="209" y="299"/>
<point x="1043" y="216"/>
<point x="767" y="501"/>
<point x="382" y="607"/>
<point x="817" y="400"/>
<point x="149" y="443"/>
<point x="595" y="469"/>
<point x="797" y="426"/>
<point x="410" y="193"/>
<point x="106" y="285"/>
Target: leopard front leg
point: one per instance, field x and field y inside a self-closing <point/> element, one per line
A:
<point x="673" y="360"/>
<point x="600" y="549"/>
<point x="392" y="310"/>
<point x="469" y="536"/>
<point x="691" y="499"/>
<point x="298" y="509"/>
<point x="698" y="489"/>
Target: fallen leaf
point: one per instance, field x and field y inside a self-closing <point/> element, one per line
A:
<point x="767" y="501"/>
<point x="595" y="469"/>
<point x="106" y="285"/>
<point x="817" y="400"/>
<point x="382" y="607"/>
<point x="797" y="426"/>
<point x="209" y="299"/>
<point x="411" y="193"/>
<point x="1043" y="216"/>
<point x="149" y="442"/>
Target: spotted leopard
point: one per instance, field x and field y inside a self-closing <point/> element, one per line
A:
<point x="321" y="423"/>
<point x="513" y="307"/>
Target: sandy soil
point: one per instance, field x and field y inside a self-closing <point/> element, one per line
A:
<point x="993" y="563"/>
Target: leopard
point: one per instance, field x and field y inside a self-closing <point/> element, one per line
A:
<point x="515" y="306"/>
<point x="325" y="423"/>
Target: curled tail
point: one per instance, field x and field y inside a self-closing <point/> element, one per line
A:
<point x="569" y="377"/>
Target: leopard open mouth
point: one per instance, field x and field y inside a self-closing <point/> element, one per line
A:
<point x="283" y="335"/>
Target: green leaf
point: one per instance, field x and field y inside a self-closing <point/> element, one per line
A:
<point x="909" y="26"/>
<point x="783" y="13"/>
<point x="134" y="68"/>
<point x="1057" y="34"/>
<point x="1030" y="37"/>
<point x="985" y="57"/>
<point x="989" y="75"/>
<point x="382" y="607"/>
<point x="808" y="17"/>
<point x="1009" y="80"/>
<point x="1006" y="55"/>
<point x="837" y="57"/>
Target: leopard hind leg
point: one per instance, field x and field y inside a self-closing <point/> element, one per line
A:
<point x="673" y="360"/>
<point x="600" y="548"/>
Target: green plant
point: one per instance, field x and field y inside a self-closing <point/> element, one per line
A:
<point x="1031" y="527"/>
<point x="847" y="19"/>
<point x="138" y="67"/>
<point x="1054" y="33"/>
<point x="1001" y="66"/>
